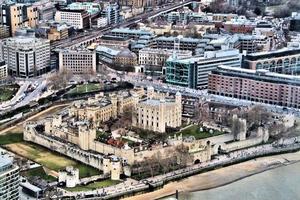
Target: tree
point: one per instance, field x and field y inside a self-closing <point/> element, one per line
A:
<point x="257" y="116"/>
<point x="60" y="80"/>
<point x="257" y="11"/>
<point x="236" y="127"/>
<point x="182" y="154"/>
<point x="87" y="75"/>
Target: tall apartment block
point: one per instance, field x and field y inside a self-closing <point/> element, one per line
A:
<point x="3" y="70"/>
<point x="9" y="178"/>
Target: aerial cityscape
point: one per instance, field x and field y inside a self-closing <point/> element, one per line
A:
<point x="149" y="100"/>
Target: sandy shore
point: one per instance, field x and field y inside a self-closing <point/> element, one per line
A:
<point x="222" y="176"/>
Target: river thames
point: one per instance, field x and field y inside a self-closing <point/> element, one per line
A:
<point x="281" y="183"/>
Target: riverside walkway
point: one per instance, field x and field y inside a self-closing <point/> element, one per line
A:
<point x="131" y="186"/>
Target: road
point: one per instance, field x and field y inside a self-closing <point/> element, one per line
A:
<point x="22" y="97"/>
<point x="204" y="96"/>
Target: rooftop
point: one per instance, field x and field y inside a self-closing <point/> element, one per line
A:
<point x="261" y="75"/>
<point x="131" y="31"/>
<point x="5" y="160"/>
<point x="108" y="50"/>
<point x="276" y="53"/>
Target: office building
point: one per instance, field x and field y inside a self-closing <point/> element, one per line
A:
<point x="255" y="85"/>
<point x="158" y="57"/>
<point x="111" y="12"/>
<point x="90" y="7"/>
<point x="79" y="19"/>
<point x="46" y="9"/>
<point x="3" y="70"/>
<point x="116" y="56"/>
<point x="175" y="42"/>
<point x="4" y="31"/>
<point x="285" y="61"/>
<point x="193" y="72"/>
<point x="9" y="178"/>
<point x="77" y="61"/>
<point x="18" y="15"/>
<point x="254" y="43"/>
<point x="130" y="33"/>
<point x="295" y="22"/>
<point x="114" y="41"/>
<point x="26" y="56"/>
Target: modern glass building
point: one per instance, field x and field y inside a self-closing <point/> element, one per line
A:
<point x="9" y="178"/>
<point x="193" y="72"/>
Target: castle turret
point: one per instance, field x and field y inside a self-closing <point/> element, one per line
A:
<point x="162" y="110"/>
<point x="116" y="167"/>
<point x="114" y="102"/>
<point x="150" y="92"/>
<point x="120" y="104"/>
<point x="86" y="136"/>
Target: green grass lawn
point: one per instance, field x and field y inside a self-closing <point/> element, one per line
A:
<point x="93" y="186"/>
<point x="90" y="87"/>
<point x="7" y="92"/>
<point x="195" y="131"/>
<point x="11" y="138"/>
<point x="50" y="159"/>
<point x="39" y="171"/>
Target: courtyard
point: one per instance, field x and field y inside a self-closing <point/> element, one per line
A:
<point x="195" y="131"/>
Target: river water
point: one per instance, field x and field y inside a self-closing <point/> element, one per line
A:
<point x="282" y="183"/>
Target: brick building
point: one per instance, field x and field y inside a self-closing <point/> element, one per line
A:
<point x="255" y="85"/>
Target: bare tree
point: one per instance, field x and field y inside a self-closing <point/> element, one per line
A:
<point x="257" y="116"/>
<point x="236" y="127"/>
<point x="182" y="154"/>
<point x="60" y="79"/>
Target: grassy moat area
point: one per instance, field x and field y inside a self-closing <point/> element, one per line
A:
<point x="10" y="138"/>
<point x="93" y="186"/>
<point x="40" y="172"/>
<point x="49" y="159"/>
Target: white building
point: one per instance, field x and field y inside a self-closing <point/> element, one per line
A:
<point x="102" y="22"/>
<point x="79" y="19"/>
<point x="26" y="56"/>
<point x="158" y="57"/>
<point x="156" y="113"/>
<point x="90" y="7"/>
<point x="9" y="178"/>
<point x="3" y="70"/>
<point x="77" y="61"/>
<point x="111" y="12"/>
<point x="70" y="176"/>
